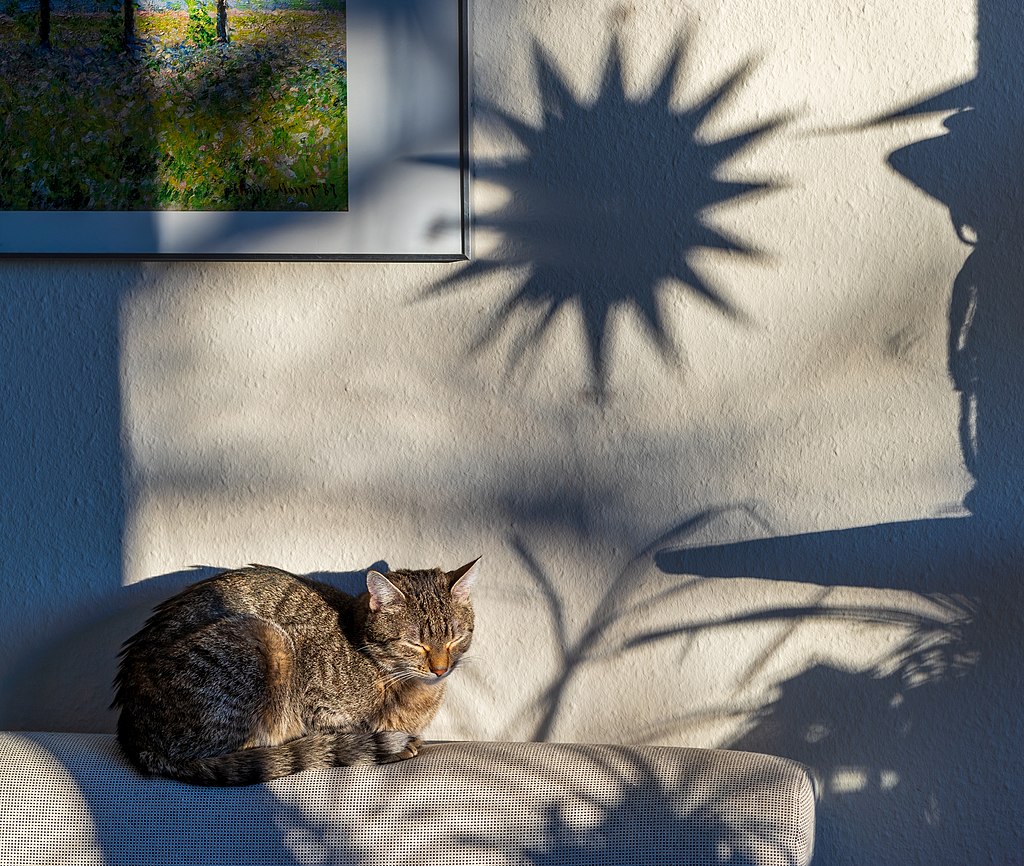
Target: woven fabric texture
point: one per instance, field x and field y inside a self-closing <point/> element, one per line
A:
<point x="72" y="799"/>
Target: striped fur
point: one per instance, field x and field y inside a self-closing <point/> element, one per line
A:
<point x="257" y="673"/>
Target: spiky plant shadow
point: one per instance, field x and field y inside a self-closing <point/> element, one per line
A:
<point x="605" y="206"/>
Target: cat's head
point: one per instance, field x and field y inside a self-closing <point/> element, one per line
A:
<point x="420" y="623"/>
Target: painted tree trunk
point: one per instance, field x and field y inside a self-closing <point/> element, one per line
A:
<point x="44" y="23"/>
<point x="129" y="24"/>
<point x="222" y="20"/>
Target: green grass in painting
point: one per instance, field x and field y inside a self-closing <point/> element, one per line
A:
<point x="258" y="124"/>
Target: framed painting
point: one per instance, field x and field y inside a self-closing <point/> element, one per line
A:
<point x="234" y="129"/>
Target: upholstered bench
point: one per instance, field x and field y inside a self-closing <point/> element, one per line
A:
<point x="72" y="799"/>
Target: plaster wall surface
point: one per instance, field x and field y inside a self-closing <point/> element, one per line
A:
<point x="727" y="399"/>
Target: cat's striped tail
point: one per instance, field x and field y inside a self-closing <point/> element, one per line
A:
<point x="263" y="763"/>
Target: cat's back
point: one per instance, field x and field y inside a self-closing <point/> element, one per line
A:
<point x="259" y="591"/>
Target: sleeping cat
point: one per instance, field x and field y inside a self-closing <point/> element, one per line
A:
<point x="256" y="673"/>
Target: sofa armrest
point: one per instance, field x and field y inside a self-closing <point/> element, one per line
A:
<point x="73" y="799"/>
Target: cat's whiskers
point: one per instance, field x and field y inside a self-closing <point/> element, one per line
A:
<point x="398" y="677"/>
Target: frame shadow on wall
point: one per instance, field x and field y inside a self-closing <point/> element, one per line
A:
<point x="62" y="508"/>
<point x="936" y="741"/>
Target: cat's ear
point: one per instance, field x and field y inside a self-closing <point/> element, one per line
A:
<point x="462" y="580"/>
<point x="382" y="591"/>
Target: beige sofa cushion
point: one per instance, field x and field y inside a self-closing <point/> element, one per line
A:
<point x="72" y="799"/>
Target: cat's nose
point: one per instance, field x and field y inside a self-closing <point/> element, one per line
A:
<point x="438" y="671"/>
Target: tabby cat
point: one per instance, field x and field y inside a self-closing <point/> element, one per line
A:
<point x="257" y="673"/>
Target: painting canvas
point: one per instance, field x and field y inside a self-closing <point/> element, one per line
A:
<point x="174" y="105"/>
<point x="233" y="128"/>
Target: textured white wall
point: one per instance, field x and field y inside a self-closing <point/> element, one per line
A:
<point x="694" y="402"/>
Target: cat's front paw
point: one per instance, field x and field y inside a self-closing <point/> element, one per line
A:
<point x="395" y="746"/>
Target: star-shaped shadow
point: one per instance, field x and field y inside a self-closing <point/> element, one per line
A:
<point x="604" y="208"/>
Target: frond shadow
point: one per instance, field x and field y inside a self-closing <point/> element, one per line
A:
<point x="593" y="805"/>
<point x="623" y="601"/>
